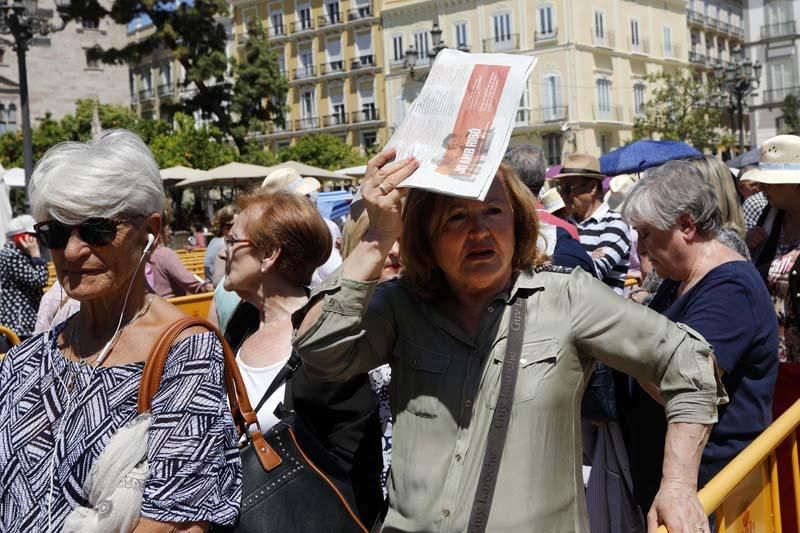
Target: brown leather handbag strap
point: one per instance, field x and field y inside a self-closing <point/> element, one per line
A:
<point x="243" y="414"/>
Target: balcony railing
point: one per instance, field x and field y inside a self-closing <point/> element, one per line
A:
<point x="145" y="94"/>
<point x="697" y="58"/>
<point x="523" y="117"/>
<point x="301" y="25"/>
<point x="546" y="36"/>
<point x="671" y="52"/>
<point x="605" y="38"/>
<point x="501" y="43"/>
<point x="695" y="16"/>
<point x="782" y="29"/>
<point x="302" y="73"/>
<point x="329" y="20"/>
<point x="307" y="123"/>
<point x="333" y="67"/>
<point x="547" y="114"/>
<point x="365" y="115"/>
<point x="641" y="47"/>
<point x="776" y="96"/>
<point x="639" y="112"/>
<point x="608" y="113"/>
<point x="276" y="31"/>
<point x="337" y="119"/>
<point x="165" y="89"/>
<point x="360" y="12"/>
<point x="365" y="61"/>
<point x="711" y="22"/>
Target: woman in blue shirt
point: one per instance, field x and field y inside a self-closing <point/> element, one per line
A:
<point x="714" y="290"/>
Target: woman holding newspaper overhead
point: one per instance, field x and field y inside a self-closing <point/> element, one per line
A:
<point x="474" y="306"/>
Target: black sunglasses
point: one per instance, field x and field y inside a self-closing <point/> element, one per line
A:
<point x="93" y="231"/>
<point x="566" y="189"/>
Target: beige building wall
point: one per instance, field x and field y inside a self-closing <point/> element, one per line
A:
<point x="593" y="56"/>
<point x="331" y="53"/>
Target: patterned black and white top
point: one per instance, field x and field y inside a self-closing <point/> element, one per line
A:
<point x="22" y="279"/>
<point x="195" y="473"/>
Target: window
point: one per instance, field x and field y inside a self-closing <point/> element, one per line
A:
<point x="778" y="12"/>
<point x="248" y="15"/>
<point x="398" y="54"/>
<point x="552" y="149"/>
<point x="336" y="99"/>
<point x="546" y="20"/>
<point x="502" y="27"/>
<point x="91" y="60"/>
<point x="667" y="39"/>
<point x="166" y="74"/>
<point x="147" y="80"/>
<point x="333" y="49"/>
<point x="89" y="24"/>
<point x="524" y="111"/>
<point x="304" y="17"/>
<point x="281" y="60"/>
<point x="780" y="78"/>
<point x="635" y="33"/>
<point x="421" y="45"/>
<point x="305" y="62"/>
<point x="603" y="144"/>
<point x="276" y="23"/>
<point x="366" y="97"/>
<point x="2" y="116"/>
<point x="364" y="48"/>
<point x="551" y="98"/>
<point x="461" y="35"/>
<point x="603" y="98"/>
<point x="600" y="25"/>
<point x="307" y="108"/>
<point x="638" y="99"/>
<point x="369" y="139"/>
<point x="332" y="12"/>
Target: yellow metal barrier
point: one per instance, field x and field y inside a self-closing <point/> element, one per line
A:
<point x="12" y="337"/>
<point x="744" y="496"/>
<point x="193" y="304"/>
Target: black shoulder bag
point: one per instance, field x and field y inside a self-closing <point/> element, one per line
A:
<point x="303" y="489"/>
<point x="496" y="439"/>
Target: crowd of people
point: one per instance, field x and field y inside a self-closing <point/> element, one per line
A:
<point x="649" y="324"/>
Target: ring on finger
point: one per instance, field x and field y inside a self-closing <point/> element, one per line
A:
<point x="383" y="189"/>
<point x="699" y="528"/>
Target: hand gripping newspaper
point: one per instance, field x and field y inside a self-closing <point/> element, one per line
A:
<point x="460" y="124"/>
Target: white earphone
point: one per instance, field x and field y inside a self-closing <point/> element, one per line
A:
<point x="150" y="240"/>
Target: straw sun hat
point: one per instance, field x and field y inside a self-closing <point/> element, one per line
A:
<point x="288" y="179"/>
<point x="779" y="161"/>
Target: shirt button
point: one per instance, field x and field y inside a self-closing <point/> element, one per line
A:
<point x="446" y="513"/>
<point x="458" y="457"/>
<point x="491" y="309"/>
<point x="523" y="361"/>
<point x="468" y="404"/>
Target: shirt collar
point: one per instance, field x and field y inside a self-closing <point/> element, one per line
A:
<point x="527" y="281"/>
<point x="598" y="214"/>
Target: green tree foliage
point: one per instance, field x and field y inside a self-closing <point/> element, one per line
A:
<point x="324" y="151"/>
<point x="679" y="110"/>
<point x="192" y="146"/>
<point x="238" y="96"/>
<point x="791" y="114"/>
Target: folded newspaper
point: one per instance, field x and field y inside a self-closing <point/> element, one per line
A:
<point x="460" y="124"/>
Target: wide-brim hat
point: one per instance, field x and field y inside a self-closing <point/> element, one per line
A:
<point x="584" y="165"/>
<point x="21" y="224"/>
<point x="618" y="189"/>
<point x="779" y="162"/>
<point x="288" y="179"/>
<point x="552" y="201"/>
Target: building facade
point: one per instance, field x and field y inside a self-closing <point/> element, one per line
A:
<point x="589" y="83"/>
<point x="716" y="31"/>
<point x="60" y="71"/>
<point x="330" y="51"/>
<point x="773" y="39"/>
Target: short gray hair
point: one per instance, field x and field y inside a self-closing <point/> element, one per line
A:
<point x="111" y="176"/>
<point x="667" y="192"/>
<point x="528" y="161"/>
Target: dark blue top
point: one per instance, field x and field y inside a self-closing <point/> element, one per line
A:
<point x="570" y="253"/>
<point x="732" y="309"/>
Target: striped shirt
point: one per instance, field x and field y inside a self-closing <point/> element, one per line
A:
<point x="606" y="230"/>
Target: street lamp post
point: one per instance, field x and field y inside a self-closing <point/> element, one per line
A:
<point x="738" y="81"/>
<point x="23" y="20"/>
<point x="411" y="55"/>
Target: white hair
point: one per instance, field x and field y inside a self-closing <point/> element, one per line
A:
<point x="667" y="192"/>
<point x="111" y="176"/>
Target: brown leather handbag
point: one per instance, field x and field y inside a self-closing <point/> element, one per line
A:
<point x="283" y="470"/>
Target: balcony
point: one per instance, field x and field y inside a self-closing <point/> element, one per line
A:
<point x="365" y="61"/>
<point x="776" y="96"/>
<point x="641" y="47"/>
<point x="331" y="19"/>
<point x="306" y="123"/>
<point x="697" y="58"/>
<point x="165" y="89"/>
<point x="773" y="31"/>
<point x="608" y="113"/>
<point x="337" y="119"/>
<point x="145" y="94"/>
<point x="360" y="13"/>
<point x="543" y="37"/>
<point x="603" y="38"/>
<point x="303" y="73"/>
<point x="638" y="112"/>
<point x="274" y="32"/>
<point x="334" y="67"/>
<point x="671" y="52"/>
<point x="695" y="16"/>
<point x="365" y="115"/>
<point x="711" y="22"/>
<point x="301" y="25"/>
<point x="501" y="43"/>
<point x="523" y="117"/>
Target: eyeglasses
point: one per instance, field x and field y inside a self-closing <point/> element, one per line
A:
<point x="566" y="189"/>
<point x="93" y="231"/>
<point x="230" y="241"/>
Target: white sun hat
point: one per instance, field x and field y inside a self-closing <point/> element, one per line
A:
<point x="618" y="189"/>
<point x="552" y="201"/>
<point x="779" y="161"/>
<point x="288" y="179"/>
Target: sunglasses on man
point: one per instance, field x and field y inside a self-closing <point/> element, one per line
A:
<point x="566" y="189"/>
<point x="93" y="231"/>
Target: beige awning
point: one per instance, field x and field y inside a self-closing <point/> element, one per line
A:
<point x="356" y="172"/>
<point x="228" y="174"/>
<point x="308" y="171"/>
<point x="181" y="173"/>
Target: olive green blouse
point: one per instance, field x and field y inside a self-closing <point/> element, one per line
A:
<point x="445" y="385"/>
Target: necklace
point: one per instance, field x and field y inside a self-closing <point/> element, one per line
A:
<point x="74" y="336"/>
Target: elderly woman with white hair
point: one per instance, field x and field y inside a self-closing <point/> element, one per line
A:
<point x="65" y="393"/>
<point x="717" y="292"/>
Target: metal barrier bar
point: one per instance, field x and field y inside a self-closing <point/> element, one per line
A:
<point x="775" y="492"/>
<point x="795" y="477"/>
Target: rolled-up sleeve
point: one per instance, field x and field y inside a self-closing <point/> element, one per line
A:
<point x="354" y="333"/>
<point x="647" y="346"/>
